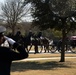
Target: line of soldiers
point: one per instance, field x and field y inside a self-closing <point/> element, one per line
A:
<point x="31" y="39"/>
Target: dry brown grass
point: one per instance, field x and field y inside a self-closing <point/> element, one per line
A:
<point x="45" y="67"/>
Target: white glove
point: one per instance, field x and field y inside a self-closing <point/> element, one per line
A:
<point x="11" y="41"/>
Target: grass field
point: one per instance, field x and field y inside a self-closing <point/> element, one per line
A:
<point x="45" y="67"/>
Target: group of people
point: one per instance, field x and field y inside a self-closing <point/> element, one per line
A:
<point x="36" y="41"/>
<point x="7" y="54"/>
<point x="30" y="40"/>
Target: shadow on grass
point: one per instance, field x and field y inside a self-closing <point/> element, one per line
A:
<point x="24" y="66"/>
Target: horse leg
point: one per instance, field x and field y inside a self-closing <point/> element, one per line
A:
<point x="44" y="49"/>
<point x="41" y="48"/>
<point x="30" y="48"/>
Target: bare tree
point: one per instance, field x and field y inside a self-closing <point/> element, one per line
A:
<point x="13" y="11"/>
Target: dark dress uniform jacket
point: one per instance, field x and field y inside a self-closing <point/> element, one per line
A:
<point x="7" y="56"/>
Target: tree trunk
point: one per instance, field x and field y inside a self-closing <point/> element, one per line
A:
<point x="63" y="40"/>
<point x="13" y="29"/>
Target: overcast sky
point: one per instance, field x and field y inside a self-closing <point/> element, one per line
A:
<point x="27" y="18"/>
<point x="1" y="1"/>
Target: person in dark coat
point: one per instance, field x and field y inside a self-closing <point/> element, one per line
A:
<point x="8" y="55"/>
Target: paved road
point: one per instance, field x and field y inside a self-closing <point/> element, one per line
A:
<point x="68" y="52"/>
<point x="36" y="59"/>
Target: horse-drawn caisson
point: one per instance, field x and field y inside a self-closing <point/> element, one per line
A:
<point x="44" y="44"/>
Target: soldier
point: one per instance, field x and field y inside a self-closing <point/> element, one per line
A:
<point x="8" y="55"/>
